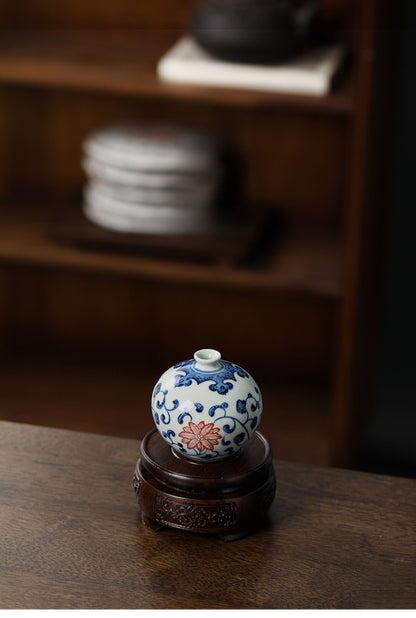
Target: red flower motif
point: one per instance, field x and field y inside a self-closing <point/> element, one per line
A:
<point x="202" y="436"/>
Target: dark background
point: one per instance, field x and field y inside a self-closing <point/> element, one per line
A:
<point x="390" y="442"/>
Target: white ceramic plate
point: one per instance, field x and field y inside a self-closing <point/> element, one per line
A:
<point x="112" y="174"/>
<point x="145" y="226"/>
<point x="157" y="148"/>
<point x="142" y="218"/>
<point x="201" y="198"/>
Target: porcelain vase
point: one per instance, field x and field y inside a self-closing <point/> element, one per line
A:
<point x="206" y="408"/>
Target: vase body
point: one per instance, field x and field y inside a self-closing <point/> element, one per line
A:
<point x="206" y="408"/>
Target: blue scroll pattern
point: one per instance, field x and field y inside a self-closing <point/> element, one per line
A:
<point x="222" y="379"/>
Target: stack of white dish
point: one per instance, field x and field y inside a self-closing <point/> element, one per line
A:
<point x="151" y="179"/>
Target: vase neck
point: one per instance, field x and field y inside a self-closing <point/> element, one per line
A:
<point x="207" y="359"/>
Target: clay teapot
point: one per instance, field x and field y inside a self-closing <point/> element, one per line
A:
<point x="253" y="31"/>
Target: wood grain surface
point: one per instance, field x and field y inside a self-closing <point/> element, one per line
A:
<point x="71" y="536"/>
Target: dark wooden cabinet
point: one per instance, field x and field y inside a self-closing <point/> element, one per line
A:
<point x="93" y="329"/>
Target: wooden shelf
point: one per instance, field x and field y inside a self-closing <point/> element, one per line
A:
<point x="116" y="401"/>
<point x="124" y="63"/>
<point x="317" y="157"/>
<point x="307" y="263"/>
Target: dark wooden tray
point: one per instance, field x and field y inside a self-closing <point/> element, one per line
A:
<point x="233" y="241"/>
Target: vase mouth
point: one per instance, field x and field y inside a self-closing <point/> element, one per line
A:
<point x="207" y="359"/>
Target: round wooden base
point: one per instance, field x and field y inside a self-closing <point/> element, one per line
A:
<point x="228" y="497"/>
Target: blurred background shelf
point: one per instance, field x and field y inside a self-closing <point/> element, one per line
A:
<point x="124" y="63"/>
<point x="303" y="320"/>
<point x="301" y="262"/>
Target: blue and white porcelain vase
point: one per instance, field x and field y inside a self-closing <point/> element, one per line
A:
<point x="206" y="408"/>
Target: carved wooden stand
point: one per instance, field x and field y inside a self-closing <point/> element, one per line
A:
<point x="228" y="498"/>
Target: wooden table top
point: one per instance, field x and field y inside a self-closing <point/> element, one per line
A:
<point x="71" y="536"/>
